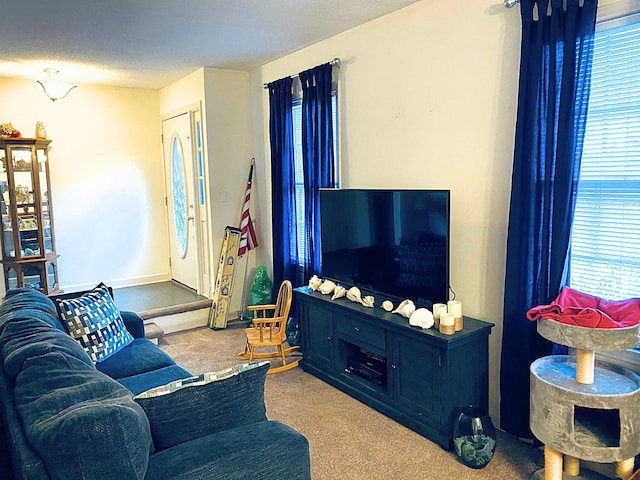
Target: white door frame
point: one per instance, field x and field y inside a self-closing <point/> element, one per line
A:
<point x="200" y="184"/>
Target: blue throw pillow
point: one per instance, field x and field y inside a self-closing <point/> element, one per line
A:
<point x="95" y="322"/>
<point x="198" y="406"/>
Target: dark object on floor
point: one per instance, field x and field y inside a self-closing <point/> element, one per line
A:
<point x="474" y="437"/>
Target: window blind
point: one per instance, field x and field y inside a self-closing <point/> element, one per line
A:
<point x="298" y="249"/>
<point x="605" y="245"/>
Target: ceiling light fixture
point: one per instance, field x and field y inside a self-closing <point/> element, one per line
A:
<point x="53" y="89"/>
<point x="511" y="3"/>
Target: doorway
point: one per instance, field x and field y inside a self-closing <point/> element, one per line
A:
<point x="186" y="200"/>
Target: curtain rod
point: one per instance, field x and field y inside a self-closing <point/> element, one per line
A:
<point x="335" y="62"/>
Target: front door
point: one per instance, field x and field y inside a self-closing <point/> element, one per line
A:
<point x="181" y="199"/>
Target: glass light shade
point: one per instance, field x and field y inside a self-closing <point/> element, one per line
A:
<point x="52" y="89"/>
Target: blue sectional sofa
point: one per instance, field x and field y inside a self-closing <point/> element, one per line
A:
<point x="65" y="416"/>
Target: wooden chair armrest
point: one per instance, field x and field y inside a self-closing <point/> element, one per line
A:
<point x="261" y="307"/>
<point x="261" y="310"/>
<point x="262" y="321"/>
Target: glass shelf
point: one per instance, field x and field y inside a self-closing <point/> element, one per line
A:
<point x="28" y="240"/>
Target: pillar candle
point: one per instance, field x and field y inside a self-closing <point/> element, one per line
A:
<point x="447" y="319"/>
<point x="455" y="307"/>
<point x="447" y="324"/>
<point x="438" y="309"/>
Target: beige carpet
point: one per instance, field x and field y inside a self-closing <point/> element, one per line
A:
<point x="348" y="440"/>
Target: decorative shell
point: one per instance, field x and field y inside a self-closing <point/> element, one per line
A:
<point x="327" y="287"/>
<point x="406" y="308"/>
<point x="368" y="301"/>
<point x="402" y="305"/>
<point x="387" y="305"/>
<point x="354" y="294"/>
<point x="338" y="292"/>
<point x="421" y="318"/>
<point x="314" y="283"/>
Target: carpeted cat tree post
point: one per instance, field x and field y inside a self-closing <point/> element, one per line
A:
<point x="581" y="408"/>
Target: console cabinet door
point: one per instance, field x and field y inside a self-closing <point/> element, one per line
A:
<point x="319" y="335"/>
<point x="417" y="377"/>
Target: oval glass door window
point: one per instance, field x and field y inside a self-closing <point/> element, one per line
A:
<point x="179" y="193"/>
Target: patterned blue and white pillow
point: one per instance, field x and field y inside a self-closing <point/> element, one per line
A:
<point x="95" y="322"/>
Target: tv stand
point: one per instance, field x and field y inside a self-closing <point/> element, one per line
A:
<point x="420" y="378"/>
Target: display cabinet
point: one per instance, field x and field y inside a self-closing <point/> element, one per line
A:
<point x="29" y="255"/>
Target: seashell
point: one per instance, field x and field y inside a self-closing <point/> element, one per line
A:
<point x="387" y="305"/>
<point x="339" y="291"/>
<point x="327" y="287"/>
<point x="421" y="318"/>
<point x="354" y="294"/>
<point x="314" y="283"/>
<point x="368" y="301"/>
<point x="408" y="310"/>
<point x="403" y="304"/>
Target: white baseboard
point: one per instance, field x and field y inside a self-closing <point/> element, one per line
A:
<point x="119" y="282"/>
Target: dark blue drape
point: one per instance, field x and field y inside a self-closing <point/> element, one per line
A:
<point x="555" y="72"/>
<point x="317" y="154"/>
<point x="318" y="171"/>
<point x="282" y="177"/>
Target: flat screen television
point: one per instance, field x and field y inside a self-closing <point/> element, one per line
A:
<point x="388" y="243"/>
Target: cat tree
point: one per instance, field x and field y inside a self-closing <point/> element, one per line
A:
<point x="583" y="409"/>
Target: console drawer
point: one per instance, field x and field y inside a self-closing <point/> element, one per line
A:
<point x="360" y="331"/>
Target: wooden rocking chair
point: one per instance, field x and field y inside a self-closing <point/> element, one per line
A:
<point x="270" y="331"/>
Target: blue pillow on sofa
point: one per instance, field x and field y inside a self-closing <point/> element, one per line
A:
<point x="199" y="406"/>
<point x="95" y="322"/>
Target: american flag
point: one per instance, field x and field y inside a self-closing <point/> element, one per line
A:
<point x="248" y="239"/>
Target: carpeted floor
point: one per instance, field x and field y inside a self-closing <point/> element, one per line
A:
<point x="348" y="440"/>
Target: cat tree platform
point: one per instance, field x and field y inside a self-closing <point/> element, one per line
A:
<point x="583" y="409"/>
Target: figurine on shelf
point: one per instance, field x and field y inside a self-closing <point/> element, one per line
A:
<point x="22" y="194"/>
<point x="7" y="131"/>
<point x="41" y="132"/>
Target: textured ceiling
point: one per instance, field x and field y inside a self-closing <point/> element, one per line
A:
<point x="151" y="43"/>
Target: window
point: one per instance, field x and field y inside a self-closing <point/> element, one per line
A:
<point x="299" y="251"/>
<point x="605" y="244"/>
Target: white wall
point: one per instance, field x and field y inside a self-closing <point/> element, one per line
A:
<point x="228" y="125"/>
<point x="106" y="179"/>
<point x="224" y="99"/>
<point x="427" y="100"/>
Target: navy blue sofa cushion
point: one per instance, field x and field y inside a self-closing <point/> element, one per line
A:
<point x="144" y="381"/>
<point x="264" y="450"/>
<point x="204" y="405"/>
<point x="79" y="420"/>
<point x="19" y="298"/>
<point x="25" y="336"/>
<point x="140" y="356"/>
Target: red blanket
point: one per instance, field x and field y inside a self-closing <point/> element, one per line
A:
<point x="585" y="310"/>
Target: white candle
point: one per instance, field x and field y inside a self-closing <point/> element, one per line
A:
<point x="447" y="319"/>
<point x="455" y="307"/>
<point x="438" y="309"/>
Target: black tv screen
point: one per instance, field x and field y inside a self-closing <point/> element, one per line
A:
<point x="390" y="243"/>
